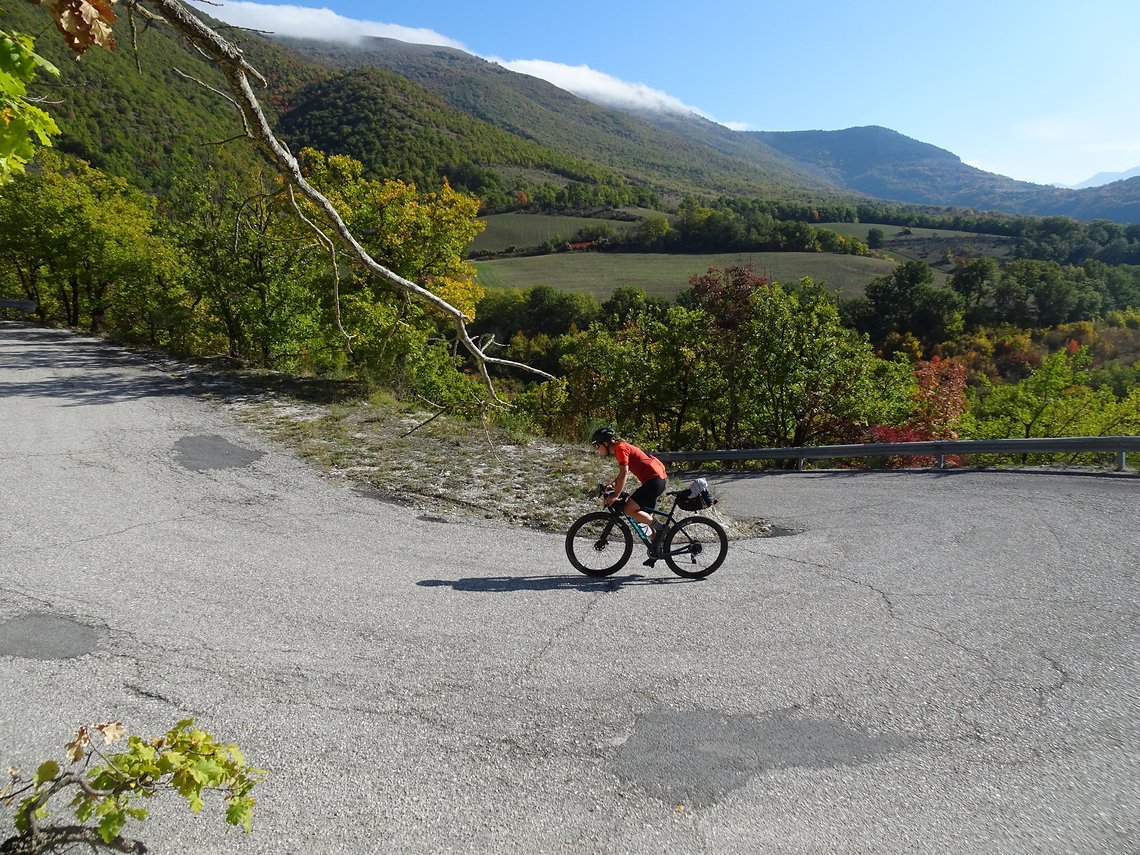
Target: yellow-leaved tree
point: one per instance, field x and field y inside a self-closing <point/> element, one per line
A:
<point x="421" y="236"/>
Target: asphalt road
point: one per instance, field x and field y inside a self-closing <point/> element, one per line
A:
<point x="921" y="663"/>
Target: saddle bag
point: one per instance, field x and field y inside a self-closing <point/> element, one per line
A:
<point x="698" y="498"/>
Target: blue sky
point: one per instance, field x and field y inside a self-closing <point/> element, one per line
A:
<point x="1045" y="91"/>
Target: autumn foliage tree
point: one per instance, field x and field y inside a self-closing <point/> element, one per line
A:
<point x="937" y="404"/>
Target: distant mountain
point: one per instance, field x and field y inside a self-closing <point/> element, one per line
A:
<point x="686" y="153"/>
<point x="1102" y="178"/>
<point x="887" y="165"/>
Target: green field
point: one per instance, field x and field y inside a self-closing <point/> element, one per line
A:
<point x="928" y="245"/>
<point x="662" y="275"/>
<point x="530" y="230"/>
<point x="890" y="233"/>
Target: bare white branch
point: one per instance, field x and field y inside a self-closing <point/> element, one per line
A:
<point x="237" y="72"/>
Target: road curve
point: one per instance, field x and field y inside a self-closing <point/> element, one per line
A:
<point x="921" y="662"/>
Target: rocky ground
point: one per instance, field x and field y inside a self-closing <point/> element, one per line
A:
<point x="405" y="453"/>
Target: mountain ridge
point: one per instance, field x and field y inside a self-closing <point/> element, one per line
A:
<point x="535" y="109"/>
<point x="885" y="164"/>
<point x="1102" y="178"/>
<point x="153" y="128"/>
<point x="871" y="160"/>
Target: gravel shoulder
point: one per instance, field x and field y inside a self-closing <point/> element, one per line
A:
<point x="404" y="453"/>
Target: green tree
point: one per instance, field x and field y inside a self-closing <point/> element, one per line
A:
<point x="627" y="303"/>
<point x="650" y="376"/>
<point x="75" y="238"/>
<point x="555" y="312"/>
<point x="1054" y="400"/>
<point x="807" y="379"/>
<point x="907" y="301"/>
<point x="726" y="297"/>
<point x="23" y="125"/>
<point x="653" y="231"/>
<point x="743" y="362"/>
<point x="256" y="271"/>
<point x="974" y="281"/>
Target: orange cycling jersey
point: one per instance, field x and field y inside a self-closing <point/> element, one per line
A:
<point x="645" y="466"/>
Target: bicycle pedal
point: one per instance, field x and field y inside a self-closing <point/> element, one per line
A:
<point x="649" y="562"/>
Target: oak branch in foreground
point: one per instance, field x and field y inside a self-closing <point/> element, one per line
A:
<point x="84" y="23"/>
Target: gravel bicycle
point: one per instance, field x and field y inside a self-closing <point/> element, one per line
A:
<point x="601" y="542"/>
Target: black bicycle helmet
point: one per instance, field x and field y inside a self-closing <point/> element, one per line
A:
<point x="603" y="435"/>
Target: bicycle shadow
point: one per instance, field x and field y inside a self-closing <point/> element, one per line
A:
<point x="508" y="584"/>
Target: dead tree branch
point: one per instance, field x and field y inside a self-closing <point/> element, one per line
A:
<point x="229" y="60"/>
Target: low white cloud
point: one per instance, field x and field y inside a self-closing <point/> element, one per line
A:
<point x="597" y="86"/>
<point x="327" y="25"/>
<point x="322" y="24"/>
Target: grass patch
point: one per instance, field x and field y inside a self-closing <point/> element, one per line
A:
<point x="524" y="231"/>
<point x="666" y="275"/>
<point x="860" y="230"/>
<point x="930" y="245"/>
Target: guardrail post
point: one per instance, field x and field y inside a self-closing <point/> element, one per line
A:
<point x="800" y="465"/>
<point x="1121" y="460"/>
<point x="941" y="461"/>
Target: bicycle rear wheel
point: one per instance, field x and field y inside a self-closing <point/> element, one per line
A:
<point x="599" y="544"/>
<point x="696" y="547"/>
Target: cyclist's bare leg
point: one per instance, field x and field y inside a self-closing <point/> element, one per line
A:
<point x="633" y="509"/>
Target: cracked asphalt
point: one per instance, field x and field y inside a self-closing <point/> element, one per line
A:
<point x="924" y="663"/>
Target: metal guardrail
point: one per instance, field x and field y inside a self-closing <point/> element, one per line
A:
<point x="25" y="306"/>
<point x="1120" y="445"/>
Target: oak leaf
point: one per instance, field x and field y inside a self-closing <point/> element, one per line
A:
<point x="112" y="731"/>
<point x="77" y="748"/>
<point x="83" y="23"/>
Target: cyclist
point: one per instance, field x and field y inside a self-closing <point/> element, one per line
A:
<point x="648" y="469"/>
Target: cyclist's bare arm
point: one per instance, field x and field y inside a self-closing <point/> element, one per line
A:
<point x="618" y="483"/>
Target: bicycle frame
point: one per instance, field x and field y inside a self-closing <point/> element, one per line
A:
<point x="633" y="524"/>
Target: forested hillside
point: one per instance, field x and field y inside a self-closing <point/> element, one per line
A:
<point x="398" y="129"/>
<point x="534" y="109"/>
<point x="137" y="117"/>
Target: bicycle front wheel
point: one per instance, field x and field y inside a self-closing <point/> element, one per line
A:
<point x="599" y="544"/>
<point x="696" y="547"/>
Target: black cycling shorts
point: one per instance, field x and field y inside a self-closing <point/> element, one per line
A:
<point x="648" y="493"/>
